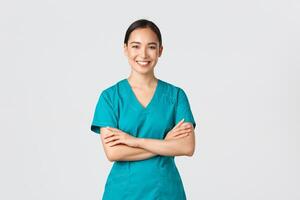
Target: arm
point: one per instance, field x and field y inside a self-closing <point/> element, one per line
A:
<point x="123" y="152"/>
<point x="183" y="144"/>
<point x="179" y="147"/>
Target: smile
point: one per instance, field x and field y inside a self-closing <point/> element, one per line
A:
<point x="143" y="62"/>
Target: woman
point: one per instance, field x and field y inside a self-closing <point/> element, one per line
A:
<point x="144" y="123"/>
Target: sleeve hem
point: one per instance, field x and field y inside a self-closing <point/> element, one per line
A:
<point x="95" y="127"/>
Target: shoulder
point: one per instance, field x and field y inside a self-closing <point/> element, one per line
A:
<point x="172" y="89"/>
<point x="111" y="91"/>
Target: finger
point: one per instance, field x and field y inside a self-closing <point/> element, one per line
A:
<point x="174" y="135"/>
<point x="182" y="135"/>
<point x="186" y="127"/>
<point x="188" y="124"/>
<point x="105" y="130"/>
<point x="111" y="139"/>
<point x="179" y="136"/>
<point x="179" y="123"/>
<point x="107" y="135"/>
<point x="114" y="143"/>
<point x="181" y="132"/>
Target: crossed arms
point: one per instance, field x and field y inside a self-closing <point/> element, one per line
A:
<point x="120" y="146"/>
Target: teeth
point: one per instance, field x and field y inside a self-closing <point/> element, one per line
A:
<point x="143" y="63"/>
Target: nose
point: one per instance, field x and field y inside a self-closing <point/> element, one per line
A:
<point x="143" y="52"/>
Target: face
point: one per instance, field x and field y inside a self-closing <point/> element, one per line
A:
<point x="143" y="50"/>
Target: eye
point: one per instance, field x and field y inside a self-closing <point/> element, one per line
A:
<point x="152" y="47"/>
<point x="135" y="46"/>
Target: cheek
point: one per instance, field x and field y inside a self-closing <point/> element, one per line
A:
<point x="131" y="55"/>
<point x="154" y="53"/>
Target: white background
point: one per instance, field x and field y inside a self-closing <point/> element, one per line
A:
<point x="238" y="61"/>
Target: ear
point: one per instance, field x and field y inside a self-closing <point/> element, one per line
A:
<point x="125" y="50"/>
<point x="160" y="51"/>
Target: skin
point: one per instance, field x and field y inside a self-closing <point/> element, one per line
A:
<point x="143" y="45"/>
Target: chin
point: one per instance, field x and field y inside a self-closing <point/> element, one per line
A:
<point x="143" y="70"/>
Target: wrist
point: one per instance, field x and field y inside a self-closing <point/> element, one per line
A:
<point x="139" y="142"/>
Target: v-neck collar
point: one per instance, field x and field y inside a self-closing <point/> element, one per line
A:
<point x="135" y="99"/>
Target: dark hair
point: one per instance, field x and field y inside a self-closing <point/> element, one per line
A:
<point x="143" y="23"/>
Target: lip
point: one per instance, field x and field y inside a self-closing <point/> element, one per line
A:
<point x="145" y="64"/>
<point x="140" y="62"/>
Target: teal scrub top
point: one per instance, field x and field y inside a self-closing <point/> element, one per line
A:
<point x="154" y="178"/>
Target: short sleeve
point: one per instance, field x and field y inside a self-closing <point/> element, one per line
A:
<point x="104" y="114"/>
<point x="183" y="108"/>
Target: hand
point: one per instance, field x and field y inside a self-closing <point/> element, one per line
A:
<point x="182" y="129"/>
<point x="116" y="136"/>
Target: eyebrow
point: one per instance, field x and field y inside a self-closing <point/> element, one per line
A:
<point x="140" y="43"/>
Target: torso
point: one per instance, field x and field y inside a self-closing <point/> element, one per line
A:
<point x="158" y="176"/>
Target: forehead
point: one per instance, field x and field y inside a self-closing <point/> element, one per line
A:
<point x="143" y="35"/>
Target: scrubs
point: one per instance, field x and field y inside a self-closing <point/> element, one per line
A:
<point x="156" y="178"/>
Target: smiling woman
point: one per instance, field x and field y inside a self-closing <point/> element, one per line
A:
<point x="143" y="47"/>
<point x="144" y="122"/>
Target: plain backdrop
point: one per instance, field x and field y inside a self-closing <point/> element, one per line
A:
<point x="238" y="61"/>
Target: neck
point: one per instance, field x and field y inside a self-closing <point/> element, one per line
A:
<point x="142" y="80"/>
